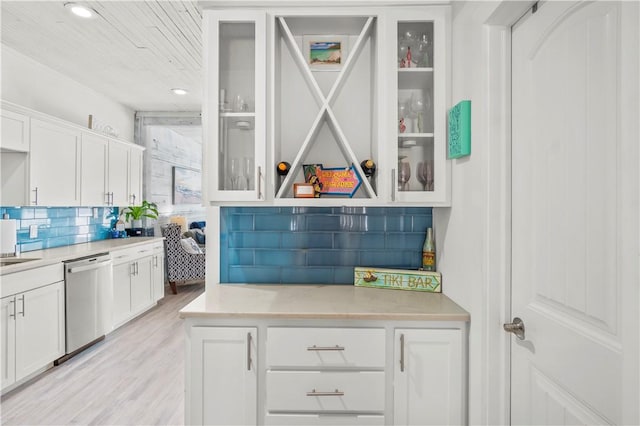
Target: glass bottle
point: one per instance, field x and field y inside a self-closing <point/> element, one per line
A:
<point x="429" y="252"/>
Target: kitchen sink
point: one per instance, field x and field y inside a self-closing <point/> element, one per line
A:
<point x="6" y="261"/>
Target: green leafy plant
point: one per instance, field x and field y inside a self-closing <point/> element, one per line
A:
<point x="146" y="209"/>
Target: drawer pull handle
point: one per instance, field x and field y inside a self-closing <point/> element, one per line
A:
<point x="334" y="393"/>
<point x="402" y="352"/>
<point x="325" y="348"/>
<point x="249" y="351"/>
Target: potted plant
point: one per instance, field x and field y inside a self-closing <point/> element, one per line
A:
<point x="134" y="214"/>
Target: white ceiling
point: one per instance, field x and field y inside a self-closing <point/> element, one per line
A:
<point x="134" y="51"/>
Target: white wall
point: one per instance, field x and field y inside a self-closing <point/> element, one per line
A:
<point x="30" y="84"/>
<point x="472" y="235"/>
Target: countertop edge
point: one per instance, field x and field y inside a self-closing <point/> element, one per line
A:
<point x="46" y="257"/>
<point x="328" y="316"/>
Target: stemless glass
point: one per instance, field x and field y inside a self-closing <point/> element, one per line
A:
<point x="247" y="170"/>
<point x="234" y="173"/>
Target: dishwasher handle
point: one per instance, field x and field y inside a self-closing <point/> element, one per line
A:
<point x="89" y="267"/>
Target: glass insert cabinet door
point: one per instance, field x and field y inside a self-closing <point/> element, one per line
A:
<point x="419" y="62"/>
<point x="235" y="105"/>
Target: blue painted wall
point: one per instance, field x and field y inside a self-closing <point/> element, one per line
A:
<point x="315" y="245"/>
<point x="60" y="226"/>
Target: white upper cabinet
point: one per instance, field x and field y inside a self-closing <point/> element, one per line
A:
<point x="234" y="107"/>
<point x="135" y="175"/>
<point x="335" y="86"/>
<point x="55" y="164"/>
<point x="15" y="131"/>
<point x="93" y="170"/>
<point x="419" y="61"/>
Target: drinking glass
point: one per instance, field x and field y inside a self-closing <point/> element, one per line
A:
<point x="429" y="176"/>
<point x="421" y="174"/>
<point x="247" y="170"/>
<point x="404" y="174"/>
<point x="234" y="173"/>
<point x="418" y="108"/>
<point x="403" y="113"/>
<point x="421" y="53"/>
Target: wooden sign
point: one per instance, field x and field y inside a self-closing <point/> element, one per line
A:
<point x="400" y="279"/>
<point x="333" y="181"/>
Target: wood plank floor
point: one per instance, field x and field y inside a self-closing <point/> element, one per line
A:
<point x="133" y="377"/>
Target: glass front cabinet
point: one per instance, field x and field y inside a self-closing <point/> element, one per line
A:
<point x="306" y="106"/>
<point x="234" y="123"/>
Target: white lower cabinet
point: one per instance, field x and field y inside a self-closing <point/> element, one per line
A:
<point x="428" y="373"/>
<point x="158" y="271"/>
<point x="326" y="374"/>
<point x="32" y="323"/>
<point x="222" y="384"/>
<point x="133" y="281"/>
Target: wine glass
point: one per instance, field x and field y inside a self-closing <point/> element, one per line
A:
<point x="421" y="53"/>
<point x="418" y="108"/>
<point x="403" y="112"/>
<point x="404" y="174"/>
<point x="429" y="176"/>
<point x="234" y="173"/>
<point x="247" y="170"/>
<point x="421" y="174"/>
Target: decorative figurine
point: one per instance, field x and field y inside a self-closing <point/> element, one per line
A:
<point x="408" y="56"/>
<point x="403" y="127"/>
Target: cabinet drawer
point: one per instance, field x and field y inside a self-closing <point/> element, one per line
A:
<point x="325" y="347"/>
<point x="324" y="419"/>
<point x="29" y="279"/>
<point x="321" y="391"/>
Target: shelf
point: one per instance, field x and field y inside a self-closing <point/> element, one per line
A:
<point x="416" y="69"/>
<point x="237" y="114"/>
<point x="414" y="135"/>
<point x="326" y="114"/>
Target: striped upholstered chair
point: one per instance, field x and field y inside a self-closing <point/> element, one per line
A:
<point x="182" y="266"/>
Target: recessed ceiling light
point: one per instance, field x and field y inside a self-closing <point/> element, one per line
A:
<point x="179" y="91"/>
<point x="80" y="10"/>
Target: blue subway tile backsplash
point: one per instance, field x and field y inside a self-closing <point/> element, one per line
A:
<point x="61" y="226"/>
<point x="317" y="245"/>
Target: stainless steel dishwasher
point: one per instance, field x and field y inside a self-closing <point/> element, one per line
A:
<point x="88" y="301"/>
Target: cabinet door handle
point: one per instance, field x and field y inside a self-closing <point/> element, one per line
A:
<point x="259" y="184"/>
<point x="325" y="348"/>
<point x="132" y="269"/>
<point x="155" y="261"/>
<point x="35" y="202"/>
<point x="402" y="352"/>
<point x="393" y="184"/>
<point x="12" y="302"/>
<point x="136" y="268"/>
<point x="22" y="298"/>
<point x="111" y="202"/>
<point x="334" y="393"/>
<point x="249" y="338"/>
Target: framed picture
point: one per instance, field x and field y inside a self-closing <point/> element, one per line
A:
<point x="187" y="186"/>
<point x="325" y="52"/>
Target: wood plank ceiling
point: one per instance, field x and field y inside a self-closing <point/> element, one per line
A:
<point x="133" y="51"/>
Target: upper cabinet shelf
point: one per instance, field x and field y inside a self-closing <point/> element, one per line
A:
<point x="328" y="92"/>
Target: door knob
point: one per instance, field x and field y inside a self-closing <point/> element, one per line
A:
<point x="516" y="327"/>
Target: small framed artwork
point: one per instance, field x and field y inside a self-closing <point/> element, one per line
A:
<point x="187" y="186"/>
<point x="325" y="52"/>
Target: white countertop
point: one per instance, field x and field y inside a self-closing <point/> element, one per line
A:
<point x="60" y="254"/>
<point x="321" y="302"/>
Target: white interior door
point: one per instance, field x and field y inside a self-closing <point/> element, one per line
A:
<point x="575" y="214"/>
